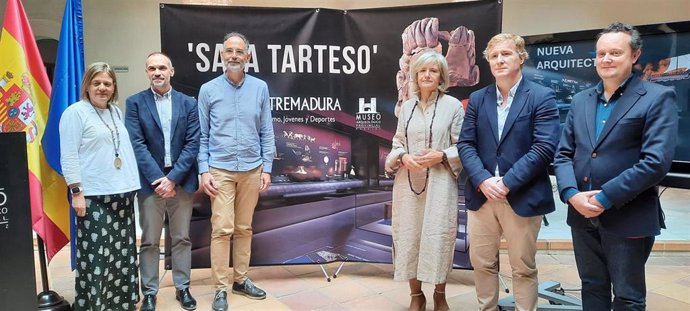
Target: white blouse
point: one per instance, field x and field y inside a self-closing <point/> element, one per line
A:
<point x="88" y="151"/>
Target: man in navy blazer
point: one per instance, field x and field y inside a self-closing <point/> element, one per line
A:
<point x="617" y="145"/>
<point x="507" y="142"/>
<point x="163" y="126"/>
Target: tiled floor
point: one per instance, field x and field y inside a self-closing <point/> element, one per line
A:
<point x="362" y="286"/>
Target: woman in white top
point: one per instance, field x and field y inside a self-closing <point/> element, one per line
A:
<point x="425" y="190"/>
<point x="99" y="166"/>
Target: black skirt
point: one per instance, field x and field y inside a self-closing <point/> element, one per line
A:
<point x="107" y="276"/>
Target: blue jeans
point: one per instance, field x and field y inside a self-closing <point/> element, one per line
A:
<point x="604" y="260"/>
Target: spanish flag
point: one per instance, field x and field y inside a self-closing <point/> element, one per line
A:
<point x="24" y="104"/>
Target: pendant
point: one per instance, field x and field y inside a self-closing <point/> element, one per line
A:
<point x="118" y="163"/>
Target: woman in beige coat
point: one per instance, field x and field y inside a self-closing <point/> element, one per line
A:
<point x="425" y="191"/>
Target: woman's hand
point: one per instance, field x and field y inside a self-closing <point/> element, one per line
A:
<point x="410" y="163"/>
<point x="430" y="158"/>
<point x="79" y="204"/>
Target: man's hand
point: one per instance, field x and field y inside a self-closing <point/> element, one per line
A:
<point x="265" y="182"/>
<point x="209" y="184"/>
<point x="493" y="189"/>
<point x="582" y="204"/>
<point x="164" y="187"/>
<point x="503" y="186"/>
<point x="593" y="200"/>
<point x="79" y="204"/>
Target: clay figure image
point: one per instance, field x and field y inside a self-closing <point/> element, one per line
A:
<point x="423" y="35"/>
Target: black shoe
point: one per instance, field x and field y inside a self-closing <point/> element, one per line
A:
<point x="248" y="289"/>
<point x="149" y="303"/>
<point x="185" y="298"/>
<point x="220" y="301"/>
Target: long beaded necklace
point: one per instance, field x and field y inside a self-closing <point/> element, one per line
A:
<point x="115" y="135"/>
<point x="431" y="135"/>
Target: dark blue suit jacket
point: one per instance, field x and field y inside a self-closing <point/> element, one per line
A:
<point x="146" y="134"/>
<point x="631" y="156"/>
<point x="523" y="154"/>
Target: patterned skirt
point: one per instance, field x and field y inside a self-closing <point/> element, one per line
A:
<point x="107" y="276"/>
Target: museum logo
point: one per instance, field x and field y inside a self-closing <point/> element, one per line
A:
<point x="368" y="117"/>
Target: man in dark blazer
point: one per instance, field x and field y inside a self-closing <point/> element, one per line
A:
<point x="617" y="145"/>
<point x="508" y="139"/>
<point x="163" y="126"/>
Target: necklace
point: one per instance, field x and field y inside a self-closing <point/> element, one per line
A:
<point x="431" y="135"/>
<point x="115" y="135"/>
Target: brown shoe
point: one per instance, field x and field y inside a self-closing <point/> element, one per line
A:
<point x="417" y="296"/>
<point x="440" y="303"/>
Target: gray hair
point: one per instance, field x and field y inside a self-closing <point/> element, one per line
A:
<point x="161" y="54"/>
<point x="239" y="35"/>
<point x="429" y="57"/>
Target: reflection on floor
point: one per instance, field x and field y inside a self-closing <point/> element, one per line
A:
<point x="369" y="286"/>
<point x="337" y="233"/>
<point x="357" y="234"/>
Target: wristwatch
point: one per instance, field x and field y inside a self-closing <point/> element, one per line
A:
<point x="76" y="190"/>
<point x="444" y="159"/>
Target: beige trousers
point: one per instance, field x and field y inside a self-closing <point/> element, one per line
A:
<point x="232" y="213"/>
<point x="486" y="226"/>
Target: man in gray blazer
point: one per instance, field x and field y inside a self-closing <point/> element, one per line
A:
<point x="163" y="126"/>
<point x="617" y="145"/>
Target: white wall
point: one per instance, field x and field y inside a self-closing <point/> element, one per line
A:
<point x="530" y="17"/>
<point x="123" y="32"/>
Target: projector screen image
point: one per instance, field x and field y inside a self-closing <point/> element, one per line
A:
<point x="307" y="153"/>
<point x="565" y="62"/>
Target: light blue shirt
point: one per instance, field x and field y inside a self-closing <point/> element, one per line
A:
<point x="502" y="112"/>
<point x="236" y="125"/>
<point x="164" y="107"/>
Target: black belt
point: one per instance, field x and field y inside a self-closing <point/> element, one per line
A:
<point x="167" y="170"/>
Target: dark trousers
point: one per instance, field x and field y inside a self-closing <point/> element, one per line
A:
<point x="605" y="261"/>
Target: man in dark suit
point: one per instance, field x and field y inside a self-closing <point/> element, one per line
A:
<point x="617" y="144"/>
<point x="508" y="139"/>
<point x="163" y="126"/>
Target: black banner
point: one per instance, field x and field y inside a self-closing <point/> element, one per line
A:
<point x="17" y="271"/>
<point x="335" y="78"/>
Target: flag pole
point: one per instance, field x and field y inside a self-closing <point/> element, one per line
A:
<point x="48" y="299"/>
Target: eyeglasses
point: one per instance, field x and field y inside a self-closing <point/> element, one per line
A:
<point x="238" y="52"/>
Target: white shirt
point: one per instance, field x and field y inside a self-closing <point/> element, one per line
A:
<point x="502" y="112"/>
<point x="88" y="152"/>
<point x="164" y="107"/>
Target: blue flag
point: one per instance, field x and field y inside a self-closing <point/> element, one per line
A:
<point x="69" y="69"/>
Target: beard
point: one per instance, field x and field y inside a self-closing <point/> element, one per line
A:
<point x="234" y="67"/>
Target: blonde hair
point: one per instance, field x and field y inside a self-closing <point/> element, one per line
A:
<point x="502" y="37"/>
<point x="427" y="58"/>
<point x="94" y="70"/>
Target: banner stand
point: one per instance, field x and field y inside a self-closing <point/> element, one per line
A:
<point x="48" y="300"/>
<point x="551" y="291"/>
<point x="335" y="275"/>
